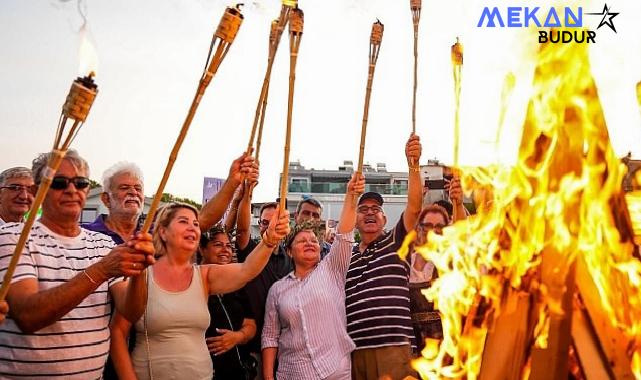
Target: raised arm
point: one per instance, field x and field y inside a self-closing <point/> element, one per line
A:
<point x="456" y="196"/>
<point x="212" y="212"/>
<point x="230" y="277"/>
<point x="230" y="220"/>
<point x="244" y="216"/>
<point x="415" y="182"/>
<point x="355" y="188"/>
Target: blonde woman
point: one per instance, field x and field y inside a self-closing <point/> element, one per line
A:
<point x="170" y="340"/>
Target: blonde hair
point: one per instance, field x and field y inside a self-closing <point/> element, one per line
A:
<point x="163" y="218"/>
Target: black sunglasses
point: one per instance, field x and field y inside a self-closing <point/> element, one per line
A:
<point x="61" y="183"/>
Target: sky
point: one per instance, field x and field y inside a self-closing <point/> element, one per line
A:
<point x="150" y="56"/>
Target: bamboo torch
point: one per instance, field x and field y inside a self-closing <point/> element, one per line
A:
<point x="79" y="101"/>
<point x="415" y="7"/>
<point x="276" y="32"/>
<point x="376" y="37"/>
<point x="457" y="66"/>
<point x="639" y="93"/>
<point x="296" y="21"/>
<point x="225" y="34"/>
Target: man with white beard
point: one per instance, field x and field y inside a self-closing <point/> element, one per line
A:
<point x="123" y="195"/>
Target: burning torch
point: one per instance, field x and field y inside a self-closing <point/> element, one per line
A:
<point x="296" y="21"/>
<point x="79" y="101"/>
<point x="224" y="36"/>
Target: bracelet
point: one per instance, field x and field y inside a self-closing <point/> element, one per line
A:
<point x="89" y="277"/>
<point x="415" y="169"/>
<point x="268" y="244"/>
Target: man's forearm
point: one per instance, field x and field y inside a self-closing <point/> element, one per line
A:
<point x="33" y="310"/>
<point x="214" y="210"/>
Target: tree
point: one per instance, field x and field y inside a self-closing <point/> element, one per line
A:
<point x="166" y="197"/>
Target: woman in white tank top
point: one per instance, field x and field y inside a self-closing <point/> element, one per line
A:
<point x="170" y="340"/>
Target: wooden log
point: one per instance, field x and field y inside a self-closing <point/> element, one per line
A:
<point x="612" y="340"/>
<point x="593" y="361"/>
<point x="551" y="363"/>
<point x="508" y="339"/>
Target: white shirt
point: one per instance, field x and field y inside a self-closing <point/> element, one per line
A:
<point x="76" y="346"/>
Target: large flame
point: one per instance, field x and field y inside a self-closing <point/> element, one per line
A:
<point x="87" y="54"/>
<point x="559" y="208"/>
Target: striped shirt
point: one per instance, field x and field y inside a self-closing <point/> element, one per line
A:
<point x="305" y="319"/>
<point x="76" y="346"/>
<point x="377" y="293"/>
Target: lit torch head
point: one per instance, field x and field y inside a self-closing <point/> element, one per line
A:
<point x="377" y="33"/>
<point x="80" y="98"/>
<point x="296" y="21"/>
<point x="229" y="24"/>
<point x="457" y="53"/>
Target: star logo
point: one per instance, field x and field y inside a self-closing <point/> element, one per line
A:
<point x="607" y="17"/>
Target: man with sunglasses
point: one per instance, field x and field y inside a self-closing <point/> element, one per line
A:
<point x="62" y="287"/>
<point x="377" y="292"/>
<point x="16" y="194"/>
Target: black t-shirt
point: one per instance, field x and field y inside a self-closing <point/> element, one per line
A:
<point x="227" y="365"/>
<point x="278" y="266"/>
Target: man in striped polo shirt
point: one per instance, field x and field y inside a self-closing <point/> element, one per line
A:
<point x="377" y="292"/>
<point x="60" y="295"/>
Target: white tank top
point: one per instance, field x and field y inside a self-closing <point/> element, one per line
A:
<point x="176" y="325"/>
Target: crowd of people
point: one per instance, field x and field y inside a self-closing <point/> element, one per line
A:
<point x="199" y="298"/>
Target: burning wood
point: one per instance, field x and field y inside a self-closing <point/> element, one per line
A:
<point x="557" y="221"/>
<point x="81" y="96"/>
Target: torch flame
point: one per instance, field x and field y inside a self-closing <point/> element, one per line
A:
<point x="87" y="54"/>
<point x="561" y="205"/>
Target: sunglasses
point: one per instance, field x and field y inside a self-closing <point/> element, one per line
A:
<point x="61" y="183"/>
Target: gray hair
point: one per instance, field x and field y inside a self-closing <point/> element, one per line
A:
<point x="120" y="168"/>
<point x="40" y="164"/>
<point x="16" y="172"/>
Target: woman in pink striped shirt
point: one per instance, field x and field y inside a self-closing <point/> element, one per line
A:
<point x="305" y="324"/>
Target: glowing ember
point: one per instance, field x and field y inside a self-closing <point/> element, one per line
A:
<point x="561" y="206"/>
